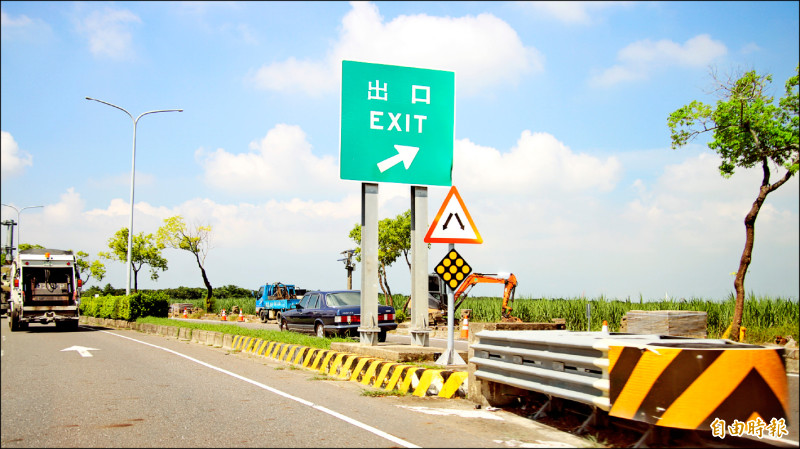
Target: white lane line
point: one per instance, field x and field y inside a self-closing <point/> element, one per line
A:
<point x="347" y="419"/>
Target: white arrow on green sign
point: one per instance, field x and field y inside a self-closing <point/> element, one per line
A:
<point x="393" y="114"/>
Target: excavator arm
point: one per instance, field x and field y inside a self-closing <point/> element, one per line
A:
<point x="509" y="280"/>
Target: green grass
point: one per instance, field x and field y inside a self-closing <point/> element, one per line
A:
<point x="381" y="393"/>
<point x="293" y="338"/>
<point x="764" y="317"/>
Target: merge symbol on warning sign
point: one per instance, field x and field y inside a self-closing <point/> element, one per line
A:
<point x="453" y="207"/>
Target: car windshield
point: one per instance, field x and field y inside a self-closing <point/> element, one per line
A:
<point x="344" y="299"/>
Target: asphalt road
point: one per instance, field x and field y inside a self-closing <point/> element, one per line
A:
<point x="101" y="388"/>
<point x="792" y="379"/>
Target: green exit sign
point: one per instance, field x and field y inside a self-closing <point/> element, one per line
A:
<point x="397" y="124"/>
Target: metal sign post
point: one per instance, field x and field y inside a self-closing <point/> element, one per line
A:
<point x="368" y="330"/>
<point x="450" y="356"/>
<point x="456" y="227"/>
<point x="420" y="332"/>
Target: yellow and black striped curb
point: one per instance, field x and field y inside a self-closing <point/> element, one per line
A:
<point x="369" y="371"/>
<point x="689" y="388"/>
<point x="366" y="370"/>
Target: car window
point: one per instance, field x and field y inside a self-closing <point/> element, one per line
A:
<point x="304" y="302"/>
<point x="342" y="299"/>
<point x="313" y="303"/>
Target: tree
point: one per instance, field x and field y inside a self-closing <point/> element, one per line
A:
<point x="3" y="259"/>
<point x="144" y="252"/>
<point x="747" y="130"/>
<point x="394" y="238"/>
<point x="94" y="269"/>
<point x="175" y="234"/>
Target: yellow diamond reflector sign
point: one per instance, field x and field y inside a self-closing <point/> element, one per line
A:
<point x="453" y="269"/>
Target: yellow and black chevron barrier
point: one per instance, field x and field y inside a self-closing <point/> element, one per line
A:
<point x="363" y="369"/>
<point x="690" y="388"/>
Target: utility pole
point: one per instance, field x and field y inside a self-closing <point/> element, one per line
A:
<point x="349" y="266"/>
<point x="9" y="246"/>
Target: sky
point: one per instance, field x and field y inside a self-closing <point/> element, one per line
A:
<point x="561" y="150"/>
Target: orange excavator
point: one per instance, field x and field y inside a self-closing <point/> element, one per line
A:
<point x="437" y="297"/>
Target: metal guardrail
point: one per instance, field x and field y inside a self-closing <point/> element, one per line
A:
<point x="570" y="365"/>
<point x="680" y="382"/>
<point x="565" y="364"/>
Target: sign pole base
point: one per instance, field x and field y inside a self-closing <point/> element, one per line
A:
<point x="420" y="337"/>
<point x="450" y="357"/>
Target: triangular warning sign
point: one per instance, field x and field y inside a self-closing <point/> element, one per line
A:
<point x="453" y="223"/>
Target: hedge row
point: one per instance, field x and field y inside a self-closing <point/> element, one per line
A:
<point x="139" y="304"/>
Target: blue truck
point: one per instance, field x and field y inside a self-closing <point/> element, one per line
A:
<point x="273" y="299"/>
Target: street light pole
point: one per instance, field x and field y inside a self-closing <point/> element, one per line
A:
<point x="133" y="171"/>
<point x="19" y="226"/>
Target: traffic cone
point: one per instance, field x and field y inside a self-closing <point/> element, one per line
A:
<point x="224" y="317"/>
<point x="185" y="315"/>
<point x="241" y="317"/>
<point x="465" y="327"/>
<point x="605" y="327"/>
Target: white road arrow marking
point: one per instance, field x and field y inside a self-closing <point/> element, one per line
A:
<point x="405" y="154"/>
<point x="82" y="350"/>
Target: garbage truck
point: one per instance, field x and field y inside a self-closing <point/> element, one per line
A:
<point x="45" y="288"/>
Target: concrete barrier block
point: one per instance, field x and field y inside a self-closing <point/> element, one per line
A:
<point x="184" y="333"/>
<point x="198" y="336"/>
<point x="227" y="341"/>
<point x="218" y="339"/>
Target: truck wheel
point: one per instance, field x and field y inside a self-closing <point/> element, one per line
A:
<point x="284" y="327"/>
<point x="278" y="317"/>
<point x="320" y="329"/>
<point x="13" y="321"/>
<point x="262" y="316"/>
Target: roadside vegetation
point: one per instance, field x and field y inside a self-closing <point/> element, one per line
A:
<point x="293" y="338"/>
<point x="764" y="317"/>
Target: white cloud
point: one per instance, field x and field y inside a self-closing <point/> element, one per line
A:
<point x="67" y="209"/>
<point x="23" y="29"/>
<point x="472" y="47"/>
<point x="292" y="76"/>
<point x="752" y="47"/>
<point x="555" y="217"/>
<point x="7" y="21"/>
<point x="639" y="59"/>
<point x="578" y="12"/>
<point x="14" y="160"/>
<point x="538" y="163"/>
<point x="690" y="201"/>
<point x="280" y="164"/>
<point x="109" y="32"/>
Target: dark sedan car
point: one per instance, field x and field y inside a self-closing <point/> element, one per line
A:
<point x="334" y="312"/>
